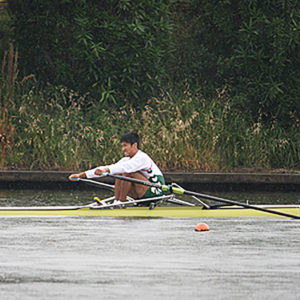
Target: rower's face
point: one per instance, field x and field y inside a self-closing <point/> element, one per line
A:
<point x="128" y="149"/>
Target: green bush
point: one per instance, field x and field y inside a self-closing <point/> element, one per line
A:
<point x="233" y="83"/>
<point x="114" y="50"/>
<point x="252" y="47"/>
<point x="5" y="30"/>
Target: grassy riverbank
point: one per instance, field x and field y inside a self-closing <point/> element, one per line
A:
<point x="182" y="131"/>
<point x="54" y="128"/>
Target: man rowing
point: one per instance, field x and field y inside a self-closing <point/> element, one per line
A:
<point x="135" y="164"/>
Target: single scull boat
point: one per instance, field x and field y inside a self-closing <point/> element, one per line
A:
<point x="159" y="206"/>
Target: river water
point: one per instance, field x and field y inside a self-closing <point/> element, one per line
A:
<point x="123" y="258"/>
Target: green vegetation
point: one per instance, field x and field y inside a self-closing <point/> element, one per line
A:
<point x="182" y="132"/>
<point x="208" y="86"/>
<point x="5" y="29"/>
<point x="251" y="47"/>
<point x="115" y="50"/>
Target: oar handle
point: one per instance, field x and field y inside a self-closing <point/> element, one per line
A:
<point x="138" y="181"/>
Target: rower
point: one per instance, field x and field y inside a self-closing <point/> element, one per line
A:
<point x="135" y="164"/>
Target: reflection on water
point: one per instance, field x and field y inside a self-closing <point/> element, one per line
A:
<point x="48" y="197"/>
<point x="110" y="258"/>
<point x="77" y="197"/>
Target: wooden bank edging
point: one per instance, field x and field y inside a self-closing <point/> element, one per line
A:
<point x="178" y="177"/>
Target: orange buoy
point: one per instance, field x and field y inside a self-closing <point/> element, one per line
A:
<point x="202" y="227"/>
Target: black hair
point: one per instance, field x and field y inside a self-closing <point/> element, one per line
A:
<point x="131" y="137"/>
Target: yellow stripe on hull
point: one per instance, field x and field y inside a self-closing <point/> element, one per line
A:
<point x="190" y="212"/>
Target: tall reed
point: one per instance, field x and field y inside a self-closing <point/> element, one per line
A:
<point x="7" y="90"/>
<point x="63" y="130"/>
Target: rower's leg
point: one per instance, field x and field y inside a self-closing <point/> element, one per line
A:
<point x="123" y="188"/>
<point x="138" y="190"/>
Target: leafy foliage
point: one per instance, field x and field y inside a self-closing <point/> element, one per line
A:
<point x="113" y="49"/>
<point x="250" y="46"/>
<point x="233" y="83"/>
<point x="5" y="30"/>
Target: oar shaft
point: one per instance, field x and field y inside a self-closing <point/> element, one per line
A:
<point x="138" y="181"/>
<point x="101" y="184"/>
<point x="240" y="204"/>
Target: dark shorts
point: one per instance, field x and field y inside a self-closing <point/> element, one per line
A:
<point x="153" y="191"/>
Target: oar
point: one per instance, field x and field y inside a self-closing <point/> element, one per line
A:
<point x="181" y="191"/>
